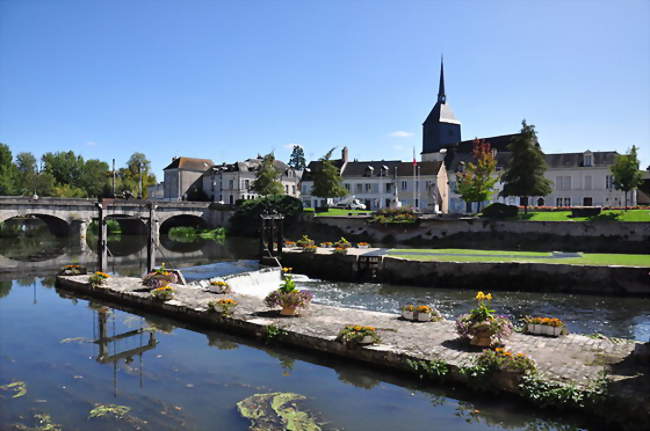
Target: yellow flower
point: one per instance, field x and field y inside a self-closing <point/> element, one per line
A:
<point x="488" y="297"/>
<point x="480" y="296"/>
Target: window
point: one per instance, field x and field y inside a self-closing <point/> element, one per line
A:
<point x="588" y="160"/>
<point x="286" y="188"/>
<point x="389" y="187"/>
<point x="588" y="182"/>
<point x="375" y="188"/>
<point x="231" y="183"/>
<point x="293" y="189"/>
<point x="387" y="203"/>
<point x="368" y="188"/>
<point x="587" y="202"/>
<point x="359" y="188"/>
<point x="567" y="202"/>
<point x="540" y="202"/>
<point x="563" y="183"/>
<point x="347" y="187"/>
<point x="404" y="185"/>
<point x="230" y="198"/>
<point x="247" y="184"/>
<point x="305" y="189"/>
<point x="558" y="202"/>
<point x="609" y="182"/>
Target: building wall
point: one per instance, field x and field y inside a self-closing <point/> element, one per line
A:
<point x="178" y="181"/>
<point x="232" y="186"/>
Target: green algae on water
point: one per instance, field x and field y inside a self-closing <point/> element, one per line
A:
<point x="18" y="387"/>
<point x="43" y="423"/>
<point x="276" y="411"/>
<point x="109" y="410"/>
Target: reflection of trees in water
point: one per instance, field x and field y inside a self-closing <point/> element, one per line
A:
<point x="182" y="246"/>
<point x="33" y="248"/>
<point x="119" y="245"/>
<point x="5" y="288"/>
<point x="221" y="341"/>
<point x="229" y="248"/>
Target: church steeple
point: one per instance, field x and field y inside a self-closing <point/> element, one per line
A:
<point x="442" y="98"/>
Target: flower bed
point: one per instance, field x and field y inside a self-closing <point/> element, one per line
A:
<point x="507" y="368"/>
<point x="309" y="249"/>
<point x="363" y="245"/>
<point x="357" y="334"/>
<point x="551" y="326"/>
<point x="342" y="243"/>
<point x="481" y="326"/>
<point x="289" y="244"/>
<point x="225" y="306"/>
<point x="421" y="313"/>
<point x="98" y="278"/>
<point x="340" y="250"/>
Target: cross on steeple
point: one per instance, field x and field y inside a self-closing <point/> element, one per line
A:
<point x="441" y="88"/>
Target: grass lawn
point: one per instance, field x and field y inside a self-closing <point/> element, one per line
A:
<point x="461" y="255"/>
<point x="337" y="212"/>
<point x="607" y="215"/>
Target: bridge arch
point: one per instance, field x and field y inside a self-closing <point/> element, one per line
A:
<point x="183" y="220"/>
<point x="129" y="224"/>
<point x="56" y="225"/>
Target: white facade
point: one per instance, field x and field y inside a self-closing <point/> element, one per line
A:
<point x="230" y="183"/>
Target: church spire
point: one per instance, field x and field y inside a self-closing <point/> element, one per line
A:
<point x="441" y="88"/>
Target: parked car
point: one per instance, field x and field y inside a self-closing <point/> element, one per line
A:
<point x="353" y="204"/>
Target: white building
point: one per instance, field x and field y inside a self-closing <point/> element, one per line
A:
<point x="229" y="183"/>
<point x="376" y="183"/>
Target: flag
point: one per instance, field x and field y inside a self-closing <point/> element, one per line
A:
<point x="415" y="163"/>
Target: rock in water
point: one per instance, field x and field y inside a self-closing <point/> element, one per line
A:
<point x="276" y="411"/>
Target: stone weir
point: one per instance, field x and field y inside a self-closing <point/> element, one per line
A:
<point x="369" y="265"/>
<point x="569" y="366"/>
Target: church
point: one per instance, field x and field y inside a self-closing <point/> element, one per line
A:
<point x="578" y="179"/>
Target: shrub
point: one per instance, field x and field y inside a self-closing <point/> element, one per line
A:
<point x="246" y="220"/>
<point x="500" y="359"/>
<point x="394" y="215"/>
<point x="499" y="210"/>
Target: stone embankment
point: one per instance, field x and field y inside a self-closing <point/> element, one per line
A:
<point x="574" y="361"/>
<point x="592" y="237"/>
<point x="536" y="277"/>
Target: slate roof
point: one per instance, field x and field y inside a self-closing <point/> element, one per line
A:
<point x="251" y="165"/>
<point x="190" y="164"/>
<point x="441" y="112"/>
<point x="373" y="168"/>
<point x="575" y="160"/>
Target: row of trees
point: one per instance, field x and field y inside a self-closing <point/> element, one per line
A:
<point x="524" y="174"/>
<point x="65" y="174"/>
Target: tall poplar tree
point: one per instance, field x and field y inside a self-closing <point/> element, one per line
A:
<point x="524" y="175"/>
<point x="266" y="179"/>
<point x="625" y="170"/>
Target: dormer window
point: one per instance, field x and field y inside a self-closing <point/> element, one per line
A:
<point x="588" y="159"/>
<point x="369" y="171"/>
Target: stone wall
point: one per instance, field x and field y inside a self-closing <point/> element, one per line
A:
<point x="536" y="277"/>
<point x="595" y="237"/>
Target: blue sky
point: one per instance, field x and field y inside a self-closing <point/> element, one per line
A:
<point x="227" y="80"/>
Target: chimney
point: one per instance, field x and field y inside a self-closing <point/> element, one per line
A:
<point x="344" y="154"/>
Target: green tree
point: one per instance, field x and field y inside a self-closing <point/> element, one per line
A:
<point x="476" y="181"/>
<point x="625" y="170"/>
<point x="137" y="167"/>
<point x="297" y="158"/>
<point x="68" y="191"/>
<point x="524" y="175"/>
<point x="7" y="171"/>
<point x="327" y="179"/>
<point x="95" y="178"/>
<point x="26" y="172"/>
<point x="64" y="166"/>
<point x="266" y="179"/>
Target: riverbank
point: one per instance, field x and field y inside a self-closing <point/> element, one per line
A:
<point x="374" y="265"/>
<point x="574" y="361"/>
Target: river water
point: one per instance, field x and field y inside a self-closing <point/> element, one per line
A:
<point x="174" y="376"/>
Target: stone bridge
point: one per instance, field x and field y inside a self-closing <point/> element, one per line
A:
<point x="65" y="216"/>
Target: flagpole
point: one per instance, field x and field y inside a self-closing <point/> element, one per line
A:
<point x="414" y="165"/>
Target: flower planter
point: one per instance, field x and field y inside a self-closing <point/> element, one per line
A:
<point x="481" y="335"/>
<point x="288" y="311"/>
<point x="366" y="340"/>
<point x="309" y="250"/>
<point x="415" y="316"/>
<point x="507" y="379"/>
<point x="362" y="246"/>
<point x="552" y="331"/>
